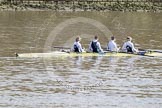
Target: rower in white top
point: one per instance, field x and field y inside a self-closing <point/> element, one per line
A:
<point x="77" y="47"/>
<point x="128" y="46"/>
<point x="95" y="46"/>
<point x="112" y="46"/>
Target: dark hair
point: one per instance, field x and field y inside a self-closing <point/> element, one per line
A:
<point x="96" y="37"/>
<point x="112" y="38"/>
<point x="129" y="38"/>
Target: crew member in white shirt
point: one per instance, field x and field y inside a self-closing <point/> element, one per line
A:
<point x="77" y="47"/>
<point x="112" y="46"/>
<point x="128" y="46"/>
<point x="95" y="46"/>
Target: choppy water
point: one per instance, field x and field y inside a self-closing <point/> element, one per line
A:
<point x="82" y="82"/>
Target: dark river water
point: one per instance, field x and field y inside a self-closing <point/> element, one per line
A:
<point x="78" y="82"/>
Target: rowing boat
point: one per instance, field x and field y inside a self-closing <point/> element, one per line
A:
<point x="72" y="54"/>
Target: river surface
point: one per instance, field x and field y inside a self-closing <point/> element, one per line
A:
<point x="78" y="82"/>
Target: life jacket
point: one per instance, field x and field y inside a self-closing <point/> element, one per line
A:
<point x="129" y="49"/>
<point x="94" y="47"/>
<point x="76" y="49"/>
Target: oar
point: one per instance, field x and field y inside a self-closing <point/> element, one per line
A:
<point x="61" y="47"/>
<point x="159" y="51"/>
<point x="150" y="50"/>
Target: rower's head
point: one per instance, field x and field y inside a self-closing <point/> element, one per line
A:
<point x="96" y="37"/>
<point x="112" y="38"/>
<point x="129" y="38"/>
<point x="77" y="39"/>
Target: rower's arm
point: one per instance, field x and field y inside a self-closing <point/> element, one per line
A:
<point x="124" y="48"/>
<point x="80" y="48"/>
<point x="99" y="47"/>
<point x="133" y="48"/>
<point x="116" y="48"/>
<point x="90" y="48"/>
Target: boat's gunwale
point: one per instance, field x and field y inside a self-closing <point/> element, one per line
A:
<point x="85" y="54"/>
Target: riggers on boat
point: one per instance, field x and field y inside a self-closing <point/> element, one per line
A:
<point x="85" y="54"/>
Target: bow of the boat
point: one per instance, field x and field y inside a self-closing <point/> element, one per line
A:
<point x="34" y="55"/>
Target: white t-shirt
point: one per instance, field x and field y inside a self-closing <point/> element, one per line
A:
<point x="79" y="46"/>
<point x="128" y="43"/>
<point x="112" y="46"/>
<point x="98" y="46"/>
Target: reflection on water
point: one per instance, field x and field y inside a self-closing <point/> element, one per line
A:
<point x="27" y="82"/>
<point x="107" y="82"/>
